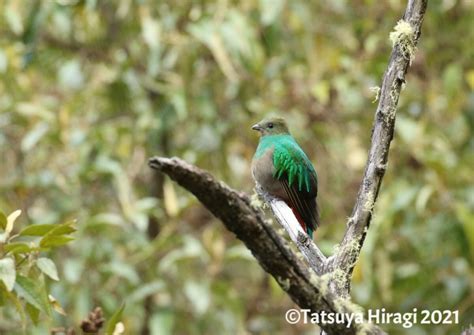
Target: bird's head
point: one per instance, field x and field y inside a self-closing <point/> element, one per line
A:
<point x="271" y="126"/>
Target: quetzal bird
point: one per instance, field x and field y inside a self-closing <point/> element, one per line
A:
<point x="284" y="171"/>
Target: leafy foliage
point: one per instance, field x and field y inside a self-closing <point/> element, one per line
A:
<point x="91" y="89"/>
<point x="23" y="272"/>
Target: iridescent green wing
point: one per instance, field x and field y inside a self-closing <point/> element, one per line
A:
<point x="290" y="160"/>
<point x="299" y="179"/>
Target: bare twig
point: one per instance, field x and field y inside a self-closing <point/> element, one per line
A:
<point x="382" y="134"/>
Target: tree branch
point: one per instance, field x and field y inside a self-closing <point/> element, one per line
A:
<point x="273" y="253"/>
<point x="382" y="134"/>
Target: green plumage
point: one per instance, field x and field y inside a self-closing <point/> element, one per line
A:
<point x="288" y="160"/>
<point x="282" y="168"/>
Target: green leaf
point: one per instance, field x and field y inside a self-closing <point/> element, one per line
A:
<point x="162" y="322"/>
<point x="3" y="220"/>
<point x="8" y="272"/>
<point x="146" y="290"/>
<point x="3" y="295"/>
<point x="33" y="293"/>
<point x="18" y="248"/>
<point x="37" y="229"/>
<point x="33" y="312"/>
<point x="270" y="9"/>
<point x="26" y="289"/>
<point x="51" y="229"/>
<point x="452" y="78"/>
<point x="55" y="237"/>
<point x="48" y="267"/>
<point x="18" y="305"/>
<point x="70" y="75"/>
<point x="114" y="319"/>
<point x="63" y="229"/>
<point x="50" y="241"/>
<point x="199" y="295"/>
<point x="34" y="136"/>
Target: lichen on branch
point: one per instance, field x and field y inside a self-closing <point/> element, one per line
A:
<point x="403" y="35"/>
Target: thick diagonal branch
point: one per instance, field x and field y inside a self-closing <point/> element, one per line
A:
<point x="272" y="252"/>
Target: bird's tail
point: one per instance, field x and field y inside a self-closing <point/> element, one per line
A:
<point x="303" y="225"/>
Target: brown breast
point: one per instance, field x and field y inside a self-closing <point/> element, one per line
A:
<point x="263" y="171"/>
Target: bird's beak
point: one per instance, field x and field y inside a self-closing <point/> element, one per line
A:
<point x="256" y="127"/>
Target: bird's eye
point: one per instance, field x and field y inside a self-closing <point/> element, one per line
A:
<point x="270" y="125"/>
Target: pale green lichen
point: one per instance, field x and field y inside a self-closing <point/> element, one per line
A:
<point x="390" y="115"/>
<point x="403" y="35"/>
<point x="318" y="281"/>
<point x="284" y="283"/>
<point x="350" y="221"/>
<point x="365" y="328"/>
<point x="257" y="202"/>
<point x="389" y="112"/>
<point x="341" y="304"/>
<point x="353" y="248"/>
<point x="339" y="277"/>
<point x="300" y="256"/>
<point x="345" y="305"/>
<point x="369" y="202"/>
<point x="376" y="90"/>
<point x="394" y="93"/>
<point x="321" y="282"/>
<point x="335" y="279"/>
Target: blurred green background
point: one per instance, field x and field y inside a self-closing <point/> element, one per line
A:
<point x="90" y="89"/>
